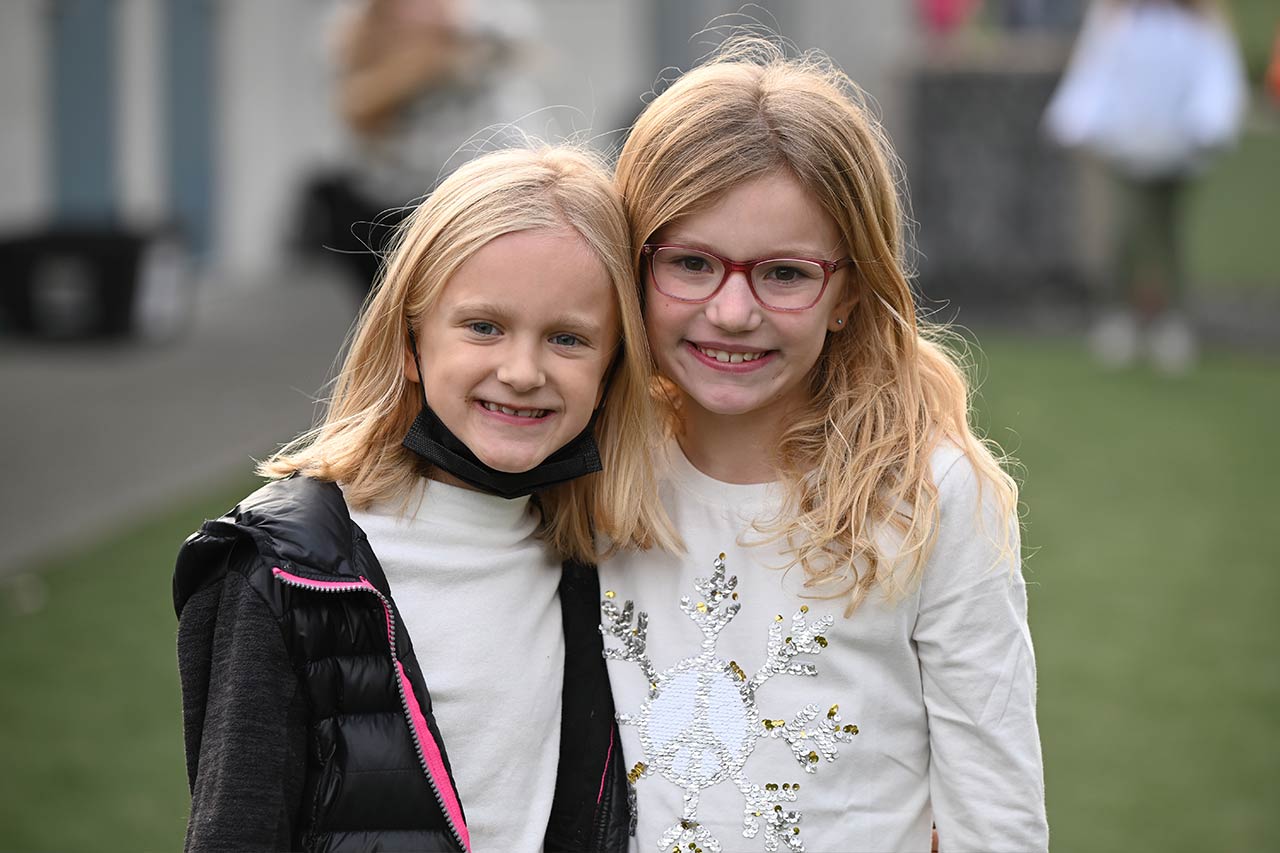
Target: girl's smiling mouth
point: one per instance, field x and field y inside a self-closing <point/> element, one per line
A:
<point x="723" y="358"/>
<point x="505" y="412"/>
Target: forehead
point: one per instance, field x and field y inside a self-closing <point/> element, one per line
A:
<point x="535" y="273"/>
<point x="767" y="215"/>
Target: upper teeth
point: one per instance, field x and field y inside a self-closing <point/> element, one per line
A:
<point x="507" y="410"/>
<point x="729" y="357"/>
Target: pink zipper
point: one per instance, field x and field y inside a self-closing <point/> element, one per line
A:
<point x="429" y="756"/>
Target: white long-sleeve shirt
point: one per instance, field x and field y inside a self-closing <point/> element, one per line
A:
<point x="940" y="684"/>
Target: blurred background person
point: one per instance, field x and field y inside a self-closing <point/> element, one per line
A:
<point x="415" y="81"/>
<point x="1154" y="89"/>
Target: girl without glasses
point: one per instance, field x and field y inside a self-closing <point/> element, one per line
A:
<point x="840" y="655"/>
<point x="395" y="589"/>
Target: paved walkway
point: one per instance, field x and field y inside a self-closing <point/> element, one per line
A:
<point x="96" y="435"/>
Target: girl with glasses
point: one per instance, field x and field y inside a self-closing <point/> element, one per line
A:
<point x="839" y="657"/>
<point x="380" y="648"/>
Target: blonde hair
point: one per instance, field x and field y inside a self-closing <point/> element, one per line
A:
<point x="358" y="441"/>
<point x="885" y="391"/>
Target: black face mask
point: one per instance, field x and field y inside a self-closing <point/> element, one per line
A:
<point x="433" y="441"/>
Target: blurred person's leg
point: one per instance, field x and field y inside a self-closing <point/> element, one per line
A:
<point x="1115" y="336"/>
<point x="1171" y="341"/>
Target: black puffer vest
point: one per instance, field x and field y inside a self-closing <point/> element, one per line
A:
<point x="378" y="775"/>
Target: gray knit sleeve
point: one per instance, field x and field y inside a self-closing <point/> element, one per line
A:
<point x="244" y="722"/>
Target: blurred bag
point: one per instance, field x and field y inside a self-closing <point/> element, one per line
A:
<point x="1152" y="88"/>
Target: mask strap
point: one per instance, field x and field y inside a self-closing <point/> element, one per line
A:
<point x="417" y="363"/>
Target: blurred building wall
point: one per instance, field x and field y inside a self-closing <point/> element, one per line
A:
<point x="141" y="134"/>
<point x="267" y="105"/>
<point x="25" y="194"/>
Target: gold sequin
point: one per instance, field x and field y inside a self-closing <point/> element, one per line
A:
<point x="831" y="714"/>
<point x="702" y="607"/>
<point x="804" y="608"/>
<point x="813" y="757"/>
<point x="608" y="593"/>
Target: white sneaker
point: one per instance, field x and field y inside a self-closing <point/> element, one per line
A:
<point x="1171" y="344"/>
<point x="1114" y="339"/>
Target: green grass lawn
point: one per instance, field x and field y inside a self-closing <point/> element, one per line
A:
<point x="90" y="712"/>
<point x="1153" y="585"/>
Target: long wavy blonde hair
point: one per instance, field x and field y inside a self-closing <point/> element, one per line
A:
<point x="358" y="441"/>
<point x="885" y="391"/>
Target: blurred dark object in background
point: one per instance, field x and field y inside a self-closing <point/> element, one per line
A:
<point x="999" y="212"/>
<point x="1038" y="15"/>
<point x="339" y="222"/>
<point x="89" y="282"/>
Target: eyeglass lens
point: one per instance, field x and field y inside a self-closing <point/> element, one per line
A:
<point x="786" y="283"/>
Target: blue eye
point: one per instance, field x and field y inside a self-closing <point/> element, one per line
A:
<point x="565" y="340"/>
<point x="480" y="327"/>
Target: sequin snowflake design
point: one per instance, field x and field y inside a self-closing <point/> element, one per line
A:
<point x="700" y="723"/>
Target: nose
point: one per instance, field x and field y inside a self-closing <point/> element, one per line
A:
<point x="734" y="308"/>
<point x="521" y="367"/>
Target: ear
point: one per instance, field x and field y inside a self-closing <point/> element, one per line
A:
<point x="411" y="367"/>
<point x="838" y="319"/>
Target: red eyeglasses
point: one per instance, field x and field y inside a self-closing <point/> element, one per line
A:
<point x="778" y="284"/>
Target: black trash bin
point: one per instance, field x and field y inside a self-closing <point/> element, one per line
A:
<point x="89" y="282"/>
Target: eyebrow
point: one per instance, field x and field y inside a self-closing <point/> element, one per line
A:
<point x="570" y="321"/>
<point x="694" y="243"/>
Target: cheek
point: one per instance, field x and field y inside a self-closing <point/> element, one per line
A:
<point x="665" y="326"/>
<point x="810" y="340"/>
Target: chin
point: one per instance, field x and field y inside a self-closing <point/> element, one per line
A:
<point x="509" y="463"/>
<point x="726" y="405"/>
<point x="506" y="465"/>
